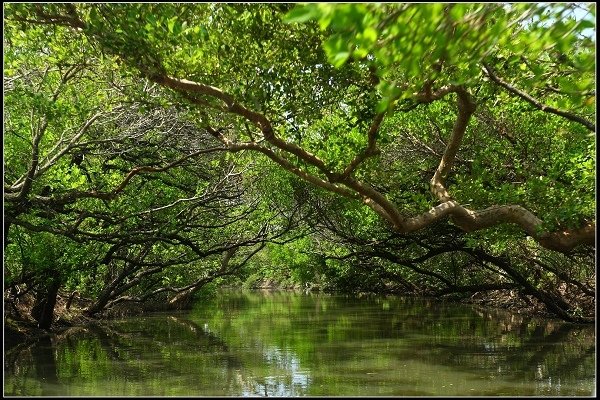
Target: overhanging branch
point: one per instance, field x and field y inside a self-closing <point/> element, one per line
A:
<point x="537" y="104"/>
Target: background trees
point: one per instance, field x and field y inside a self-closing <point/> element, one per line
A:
<point x="466" y="130"/>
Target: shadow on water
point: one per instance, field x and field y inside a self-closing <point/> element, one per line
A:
<point x="126" y="350"/>
<point x="45" y="362"/>
<point x="547" y="350"/>
<point x="385" y="335"/>
<point x="285" y="344"/>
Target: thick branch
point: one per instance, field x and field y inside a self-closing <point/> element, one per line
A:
<point x="258" y="119"/>
<point x="466" y="219"/>
<point x="466" y="108"/>
<point x="469" y="220"/>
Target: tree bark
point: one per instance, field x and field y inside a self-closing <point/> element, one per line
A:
<point x="43" y="310"/>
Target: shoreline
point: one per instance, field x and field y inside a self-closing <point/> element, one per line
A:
<point x="19" y="331"/>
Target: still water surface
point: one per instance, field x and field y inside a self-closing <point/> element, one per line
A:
<point x="292" y="344"/>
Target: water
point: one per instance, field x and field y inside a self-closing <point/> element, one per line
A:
<point x="291" y="344"/>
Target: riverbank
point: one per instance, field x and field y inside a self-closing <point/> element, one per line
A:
<point x="513" y="301"/>
<point x="290" y="343"/>
<point x="20" y="327"/>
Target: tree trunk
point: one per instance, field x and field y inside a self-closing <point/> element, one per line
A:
<point x="182" y="300"/>
<point x="553" y="303"/>
<point x="43" y="310"/>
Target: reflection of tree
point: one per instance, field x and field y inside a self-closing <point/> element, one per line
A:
<point x="119" y="350"/>
<point x="33" y="358"/>
<point x="214" y="342"/>
<point x="235" y="371"/>
<point x="286" y="345"/>
<point x="45" y="362"/>
<point x="327" y="332"/>
<point x="540" y="348"/>
<point x="18" y="359"/>
<point x="107" y="339"/>
<point x="579" y="359"/>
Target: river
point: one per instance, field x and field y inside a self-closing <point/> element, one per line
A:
<point x="250" y="343"/>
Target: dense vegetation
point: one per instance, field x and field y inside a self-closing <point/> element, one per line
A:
<point x="151" y="150"/>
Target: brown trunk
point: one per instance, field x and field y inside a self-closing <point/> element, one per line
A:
<point x="182" y="300"/>
<point x="553" y="303"/>
<point x="70" y="300"/>
<point x="43" y="310"/>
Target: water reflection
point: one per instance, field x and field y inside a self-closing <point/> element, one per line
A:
<point x="289" y="379"/>
<point x="285" y="344"/>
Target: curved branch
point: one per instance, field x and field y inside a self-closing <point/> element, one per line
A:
<point x="466" y="219"/>
<point x="33" y="165"/>
<point x="540" y="106"/>
<point x="258" y="119"/>
<point x="466" y="108"/>
<point x="370" y="150"/>
<point x="469" y="220"/>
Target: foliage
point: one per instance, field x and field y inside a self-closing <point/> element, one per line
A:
<point x="151" y="149"/>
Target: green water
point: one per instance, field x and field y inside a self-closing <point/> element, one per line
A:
<point x="291" y="344"/>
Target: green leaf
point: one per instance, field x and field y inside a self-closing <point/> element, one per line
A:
<point x="335" y="44"/>
<point x="339" y="58"/>
<point x="302" y="13"/>
<point x="171" y="24"/>
<point x="370" y="34"/>
<point x="383" y="105"/>
<point x="586" y="24"/>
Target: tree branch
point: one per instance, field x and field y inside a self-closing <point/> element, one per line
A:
<point x="540" y="106"/>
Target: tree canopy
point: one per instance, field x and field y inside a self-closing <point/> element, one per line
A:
<point x="161" y="146"/>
